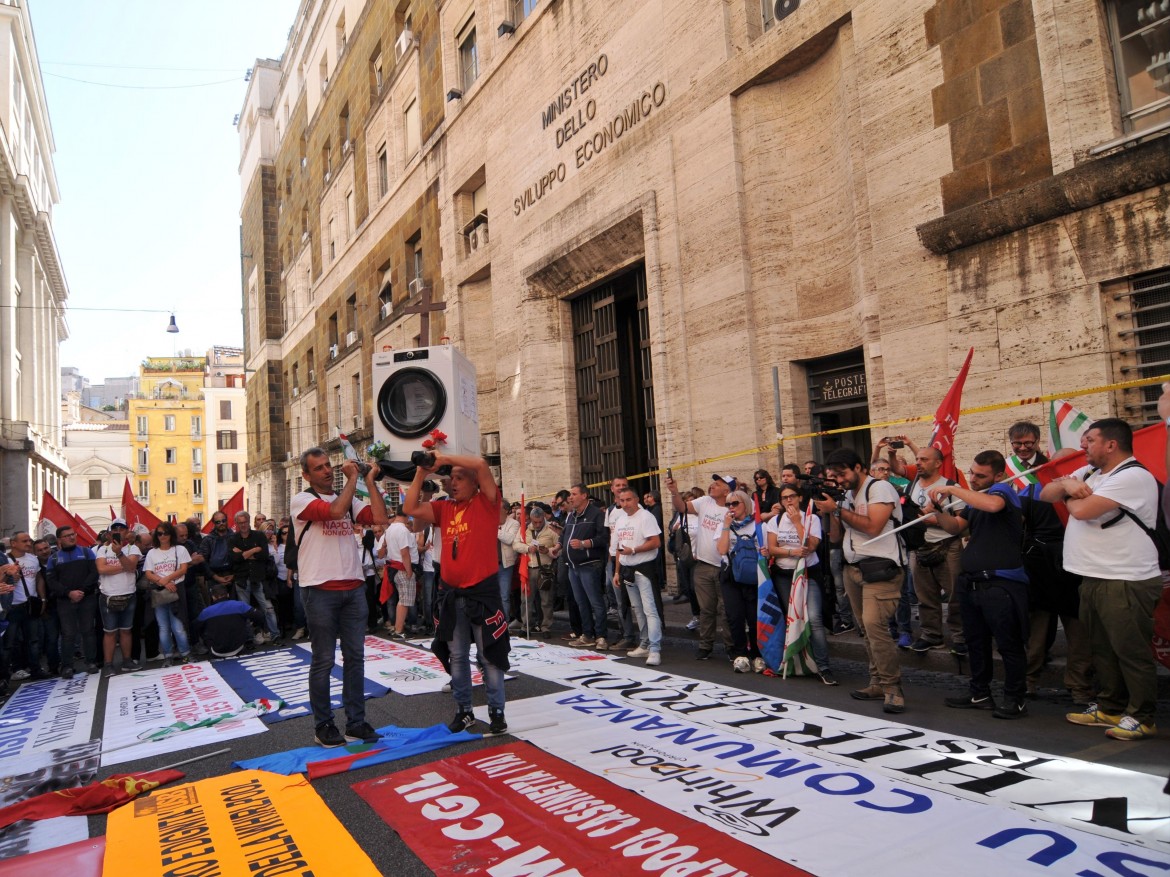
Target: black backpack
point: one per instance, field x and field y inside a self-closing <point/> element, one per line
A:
<point x="913" y="538"/>
<point x="1159" y="534"/>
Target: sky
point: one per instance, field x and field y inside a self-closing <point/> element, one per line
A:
<point x="147" y="166"/>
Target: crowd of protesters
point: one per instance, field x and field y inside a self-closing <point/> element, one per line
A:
<point x="993" y="567"/>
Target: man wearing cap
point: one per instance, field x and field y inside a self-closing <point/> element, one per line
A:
<point x="711" y="510"/>
<point x="117" y="565"/>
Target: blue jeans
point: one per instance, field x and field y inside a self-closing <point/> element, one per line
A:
<point x="460" y="646"/>
<point x="837" y="567"/>
<point x="428" y="597"/>
<point x="334" y="615"/>
<point x="646" y="612"/>
<point x="245" y="588"/>
<point x="587" y="591"/>
<point x="504" y="575"/>
<point x="901" y="623"/>
<point x="815" y="603"/>
<point x="298" y="606"/>
<point x="168" y="623"/>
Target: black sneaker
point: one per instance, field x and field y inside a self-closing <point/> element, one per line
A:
<point x="328" y="736"/>
<point x="464" y="721"/>
<point x="703" y="655"/>
<point x="970" y="702"/>
<point x="1012" y="709"/>
<point x="959" y="650"/>
<point x="130" y="666"/>
<point x="827" y="677"/>
<point x="497" y="725"/>
<point x="67" y="671"/>
<point x="107" y="671"/>
<point x="361" y="733"/>
<point x="925" y="645"/>
<point x="842" y="627"/>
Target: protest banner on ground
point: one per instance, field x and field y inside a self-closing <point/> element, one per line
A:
<point x="404" y="669"/>
<point x="516" y="810"/>
<point x="1115" y="803"/>
<point x="48" y="715"/>
<point x="82" y="858"/>
<point x="529" y="652"/>
<point x="242" y="823"/>
<point x="283" y="674"/>
<point x="35" y="774"/>
<point x="24" y="838"/>
<point x="142" y="702"/>
<point x="802" y="807"/>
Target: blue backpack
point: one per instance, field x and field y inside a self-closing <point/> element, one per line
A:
<point x="744" y="557"/>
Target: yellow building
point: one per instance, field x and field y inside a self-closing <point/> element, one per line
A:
<point x="167" y="421"/>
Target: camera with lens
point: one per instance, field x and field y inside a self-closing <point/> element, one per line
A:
<point x="426" y="459"/>
<point x="815" y="487"/>
<point x="363" y="468"/>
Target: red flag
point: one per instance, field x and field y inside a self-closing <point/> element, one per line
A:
<point x="1149" y="446"/>
<point x="86" y="536"/>
<point x="231" y="508"/>
<point x="135" y="512"/>
<point x="113" y="514"/>
<point x="523" y="538"/>
<point x="101" y="797"/>
<point x="55" y="513"/>
<point x="946" y="423"/>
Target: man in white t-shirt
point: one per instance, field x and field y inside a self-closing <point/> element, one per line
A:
<point x="935" y="566"/>
<point x="621" y="598"/>
<point x="22" y="639"/>
<point x="1120" y="577"/>
<point x="635" y="540"/>
<point x="117" y="565"/>
<point x="402" y="555"/>
<point x="329" y="570"/>
<point x="710" y="511"/>
<point x="873" y="572"/>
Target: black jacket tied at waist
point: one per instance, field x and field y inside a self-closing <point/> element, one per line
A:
<point x="483" y="607"/>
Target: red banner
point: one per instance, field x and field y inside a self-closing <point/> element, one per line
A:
<point x="524" y="559"/>
<point x="135" y="512"/>
<point x="81" y="859"/>
<point x="946" y="422"/>
<point x="230" y="509"/>
<point x="517" y="810"/>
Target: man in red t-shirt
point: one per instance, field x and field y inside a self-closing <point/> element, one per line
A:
<point x="329" y="572"/>
<point x="468" y="602"/>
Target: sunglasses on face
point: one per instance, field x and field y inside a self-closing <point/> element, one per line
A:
<point x="734" y="503"/>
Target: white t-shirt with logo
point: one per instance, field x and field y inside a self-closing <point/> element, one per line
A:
<point x="877" y="491"/>
<point x="164" y="562"/>
<point x="1122" y="551"/>
<point x="29" y="567"/>
<point x="328" y="552"/>
<point x="787" y="537"/>
<point x="704" y="541"/>
<point x="116" y="584"/>
<point x="920" y="492"/>
<point x="630" y="531"/>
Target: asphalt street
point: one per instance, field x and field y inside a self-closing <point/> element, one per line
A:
<point x="927" y="680"/>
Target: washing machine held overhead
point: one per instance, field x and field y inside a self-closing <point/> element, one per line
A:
<point x="419" y="394"/>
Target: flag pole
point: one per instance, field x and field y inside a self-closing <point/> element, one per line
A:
<point x="922" y="520"/>
<point x="196" y="758"/>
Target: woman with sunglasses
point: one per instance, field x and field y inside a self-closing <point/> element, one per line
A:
<point x="788" y="541"/>
<point x="740" y="591"/>
<point x="165" y="568"/>
<point x="766" y="494"/>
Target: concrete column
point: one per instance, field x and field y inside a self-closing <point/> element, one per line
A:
<point x="8" y="313"/>
<point x="28" y="331"/>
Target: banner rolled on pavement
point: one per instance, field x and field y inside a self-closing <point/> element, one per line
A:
<point x="47" y="715"/>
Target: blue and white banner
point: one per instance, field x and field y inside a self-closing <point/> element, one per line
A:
<point x="35" y="774"/>
<point x="1108" y="801"/>
<point x="804" y="808"/>
<point x="284" y="674"/>
<point x="48" y="715"/>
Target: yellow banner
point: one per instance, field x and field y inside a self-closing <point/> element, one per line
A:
<point x="251" y="823"/>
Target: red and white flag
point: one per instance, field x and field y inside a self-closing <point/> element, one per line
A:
<point x="230" y="509"/>
<point x="135" y="512"/>
<point x="946" y="422"/>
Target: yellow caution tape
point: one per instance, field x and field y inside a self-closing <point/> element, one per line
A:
<point x="979" y="409"/>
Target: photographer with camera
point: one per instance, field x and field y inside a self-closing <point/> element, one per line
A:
<point x="329" y="570"/>
<point x="468" y="604"/>
<point x="873" y="573"/>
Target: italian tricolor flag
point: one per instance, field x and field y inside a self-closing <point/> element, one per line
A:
<point x="1066" y="425"/>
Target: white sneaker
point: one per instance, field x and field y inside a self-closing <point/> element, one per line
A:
<point x="741" y="665"/>
<point x="446" y="688"/>
<point x="654" y="659"/>
<point x="260" y="639"/>
<point x="693" y="624"/>
<point x="758" y="665"/>
<point x="298" y="634"/>
<point x="639" y="652"/>
<point x="21" y="674"/>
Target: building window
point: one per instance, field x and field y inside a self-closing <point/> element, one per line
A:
<point x="343" y="130"/>
<point x="383" y="172"/>
<point x="143" y="428"/>
<point x="172" y="487"/>
<point x="196" y="426"/>
<point x="225" y="409"/>
<point x="228" y="472"/>
<point x="95" y="489"/>
<point x="337" y="404"/>
<point x="225" y="440"/>
<point x="172" y="455"/>
<point x="349" y="217"/>
<point x="196" y="459"/>
<point x="169" y="422"/>
<point x="144" y="491"/>
<point x="357" y="399"/>
<point x="323" y="72"/>
<point x="197" y="489"/>
<point x="410" y="128"/>
<point x="521" y="9"/>
<point x="1140" y="32"/>
<point x="468" y="56"/>
<point x="377" y="78"/>
<point x="340" y="29"/>
<point x="417" y="262"/>
<point x="327" y="160"/>
<point x="143" y="461"/>
<point x="332" y="242"/>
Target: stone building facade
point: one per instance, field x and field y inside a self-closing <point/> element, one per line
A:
<point x="33" y="292"/>
<point x="668" y="231"/>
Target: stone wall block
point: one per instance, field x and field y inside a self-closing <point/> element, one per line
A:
<point x="1027" y="113"/>
<point x="965" y="187"/>
<point x="971" y="46"/>
<point x="1016" y="23"/>
<point x="1009" y="70"/>
<point x="981" y="134"/>
<point x="1019" y="166"/>
<point x="956" y="97"/>
<point x="946" y="18"/>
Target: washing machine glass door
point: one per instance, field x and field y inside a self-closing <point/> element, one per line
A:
<point x="412" y="402"/>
